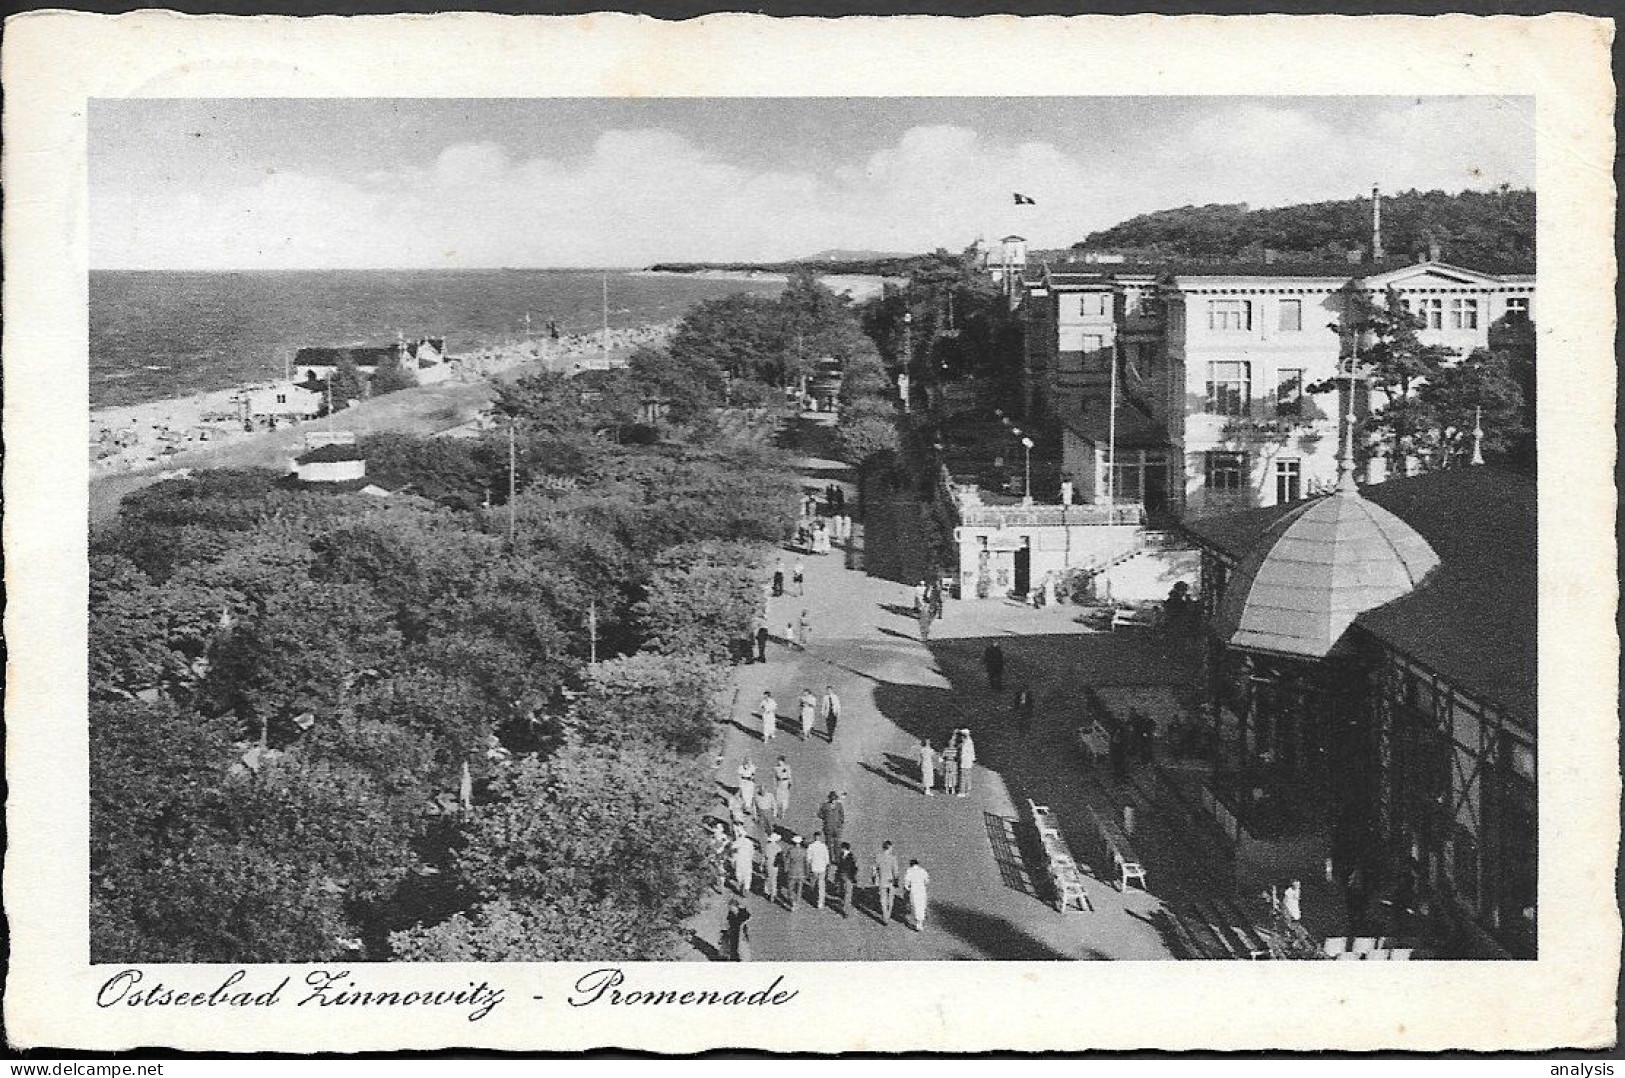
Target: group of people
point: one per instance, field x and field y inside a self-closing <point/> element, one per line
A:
<point x="953" y="766"/>
<point x="808" y="709"/>
<point x="821" y="871"/>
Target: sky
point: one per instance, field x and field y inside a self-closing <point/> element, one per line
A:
<point x="364" y="183"/>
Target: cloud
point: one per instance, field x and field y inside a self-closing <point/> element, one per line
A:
<point x="645" y="194"/>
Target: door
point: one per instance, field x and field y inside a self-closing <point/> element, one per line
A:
<point x="1156" y="486"/>
<point x="1288" y="481"/>
<point x="1024" y="566"/>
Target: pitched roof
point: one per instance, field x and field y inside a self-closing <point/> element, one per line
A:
<point x="328" y="454"/>
<point x="1135" y="429"/>
<point x="361" y="356"/>
<point x="1318" y="567"/>
<point x="1473" y="620"/>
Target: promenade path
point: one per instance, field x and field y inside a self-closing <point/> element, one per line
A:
<point x="985" y="903"/>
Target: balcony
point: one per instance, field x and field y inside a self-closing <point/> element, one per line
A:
<point x="1031" y="516"/>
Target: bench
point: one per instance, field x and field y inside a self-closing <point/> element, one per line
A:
<point x="1065" y="878"/>
<point x="1128" y="616"/>
<point x="1122" y="852"/>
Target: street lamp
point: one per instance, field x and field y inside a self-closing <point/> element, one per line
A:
<point x="1027" y="471"/>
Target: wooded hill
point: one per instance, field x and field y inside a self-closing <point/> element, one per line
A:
<point x="1488" y="230"/>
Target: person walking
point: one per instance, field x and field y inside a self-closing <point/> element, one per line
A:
<point x="967" y="761"/>
<point x="846" y="877"/>
<point x="808" y="709"/>
<point x="887" y="878"/>
<point x="832" y="815"/>
<point x="1023" y="708"/>
<point x="919" y="597"/>
<point x="924" y="618"/>
<point x="993" y="661"/>
<point x="798" y="576"/>
<point x="928" y="768"/>
<point x="1292" y="902"/>
<point x="772" y="863"/>
<point x="804" y="630"/>
<point x="736" y="934"/>
<point x="781" y="788"/>
<point x="766" y="808"/>
<point x="778" y="580"/>
<point x="744" y="861"/>
<point x="950" y="765"/>
<point x="915" y="882"/>
<point x="818" y="866"/>
<point x="761" y="640"/>
<point x="831" y="707"/>
<point x="770" y="715"/>
<point x="747" y="785"/>
<point x="795" y="872"/>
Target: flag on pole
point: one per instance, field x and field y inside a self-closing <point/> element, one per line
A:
<point x="1023" y="200"/>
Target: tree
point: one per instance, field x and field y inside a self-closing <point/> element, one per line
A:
<point x="346" y="384"/>
<point x="671" y="698"/>
<point x="1477" y="393"/>
<point x="704" y="611"/>
<point x="547" y="403"/>
<point x="391" y="375"/>
<point x="741" y="334"/>
<point x="1381" y="340"/>
<point x="862" y="441"/>
<point x="592" y="828"/>
<point x="690" y="387"/>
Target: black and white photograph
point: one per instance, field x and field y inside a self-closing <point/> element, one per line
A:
<point x="1005" y="527"/>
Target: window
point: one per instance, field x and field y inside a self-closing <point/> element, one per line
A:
<point x="1229" y="388"/>
<point x="1291" y="315"/>
<point x="1224" y="472"/>
<point x="1289" y="391"/>
<point x="1092" y="303"/>
<point x="1229" y="314"/>
<point x="1517" y="307"/>
<point x="1430" y="312"/>
<point x="1288" y="481"/>
<point x="1463" y="313"/>
<point x="282" y="398"/>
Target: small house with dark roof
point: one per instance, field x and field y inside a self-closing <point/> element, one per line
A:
<point x="424" y="360"/>
<point x="1373" y="651"/>
<point x="330" y="457"/>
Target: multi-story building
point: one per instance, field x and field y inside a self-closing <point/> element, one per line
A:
<point x="1210" y="366"/>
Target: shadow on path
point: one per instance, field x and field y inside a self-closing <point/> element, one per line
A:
<point x="995" y="937"/>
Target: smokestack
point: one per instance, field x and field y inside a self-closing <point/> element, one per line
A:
<point x="1376" y="224"/>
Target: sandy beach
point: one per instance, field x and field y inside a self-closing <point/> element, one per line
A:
<point x="160" y="433"/>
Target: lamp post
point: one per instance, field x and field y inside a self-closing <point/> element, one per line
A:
<point x="1027" y="471"/>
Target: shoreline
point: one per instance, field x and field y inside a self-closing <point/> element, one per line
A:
<point x="856" y="286"/>
<point x="172" y="431"/>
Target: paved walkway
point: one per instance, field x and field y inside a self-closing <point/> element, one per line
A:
<point x="984" y="902"/>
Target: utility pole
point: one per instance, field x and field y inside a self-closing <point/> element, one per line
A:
<point x="592" y="630"/>
<point x="513" y="458"/>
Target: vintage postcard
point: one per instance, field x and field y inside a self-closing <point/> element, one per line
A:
<point x="875" y="534"/>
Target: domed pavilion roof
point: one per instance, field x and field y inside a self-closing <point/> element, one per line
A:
<point x="1315" y="570"/>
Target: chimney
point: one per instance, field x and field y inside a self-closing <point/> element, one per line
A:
<point x="1356" y="253"/>
<point x="1376" y="224"/>
<point x="1269" y="256"/>
<point x="1433" y="248"/>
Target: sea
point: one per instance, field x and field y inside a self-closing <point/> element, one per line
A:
<point x="158" y="334"/>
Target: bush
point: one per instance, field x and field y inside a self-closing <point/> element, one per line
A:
<point x="672" y="698"/>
